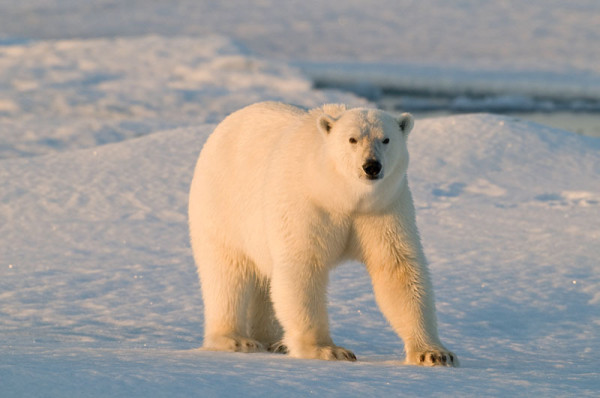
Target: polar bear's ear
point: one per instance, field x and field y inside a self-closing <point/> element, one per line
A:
<point x="406" y="123"/>
<point x="325" y="123"/>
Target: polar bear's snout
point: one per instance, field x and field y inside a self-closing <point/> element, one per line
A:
<point x="372" y="168"/>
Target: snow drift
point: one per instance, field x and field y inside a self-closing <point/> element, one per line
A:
<point x="98" y="281"/>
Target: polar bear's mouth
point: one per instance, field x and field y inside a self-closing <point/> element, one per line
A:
<point x="371" y="178"/>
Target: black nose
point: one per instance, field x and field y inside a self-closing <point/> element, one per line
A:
<point x="372" y="168"/>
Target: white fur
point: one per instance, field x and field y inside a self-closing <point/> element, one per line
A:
<point x="279" y="198"/>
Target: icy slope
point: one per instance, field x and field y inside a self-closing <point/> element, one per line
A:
<point x="85" y="232"/>
<point x="69" y="94"/>
<point x="98" y="292"/>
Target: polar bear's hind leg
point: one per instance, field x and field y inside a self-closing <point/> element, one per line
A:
<point x="263" y="325"/>
<point x="226" y="287"/>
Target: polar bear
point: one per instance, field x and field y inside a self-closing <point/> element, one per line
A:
<point x="280" y="196"/>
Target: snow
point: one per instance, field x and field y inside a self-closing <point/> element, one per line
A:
<point x="508" y="89"/>
<point x="101" y="122"/>
<point x="545" y="46"/>
<point x="98" y="281"/>
<point x="68" y="94"/>
<point x="539" y="34"/>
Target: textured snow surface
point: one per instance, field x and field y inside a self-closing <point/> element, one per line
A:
<point x="61" y="95"/>
<point x="537" y="34"/>
<point x="99" y="292"/>
<point x="542" y="48"/>
<point x="104" y="107"/>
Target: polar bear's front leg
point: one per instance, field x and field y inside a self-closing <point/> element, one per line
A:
<point x="299" y="293"/>
<point x="406" y="300"/>
<point x="390" y="248"/>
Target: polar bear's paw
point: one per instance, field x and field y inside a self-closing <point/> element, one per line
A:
<point x="334" y="353"/>
<point x="232" y="343"/>
<point x="278" y="348"/>
<point x="326" y="352"/>
<point x="432" y="357"/>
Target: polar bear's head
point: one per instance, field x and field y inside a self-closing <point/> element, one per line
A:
<point x="366" y="144"/>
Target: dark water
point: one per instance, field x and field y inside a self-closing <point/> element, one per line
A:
<point x="578" y="115"/>
<point x="580" y="121"/>
<point x="576" y="122"/>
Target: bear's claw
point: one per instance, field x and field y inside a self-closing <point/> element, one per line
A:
<point x="278" y="348"/>
<point x="435" y="358"/>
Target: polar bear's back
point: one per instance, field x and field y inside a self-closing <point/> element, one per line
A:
<point x="246" y="137"/>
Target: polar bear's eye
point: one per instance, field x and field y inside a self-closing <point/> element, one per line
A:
<point x="352" y="140"/>
<point x="386" y="141"/>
